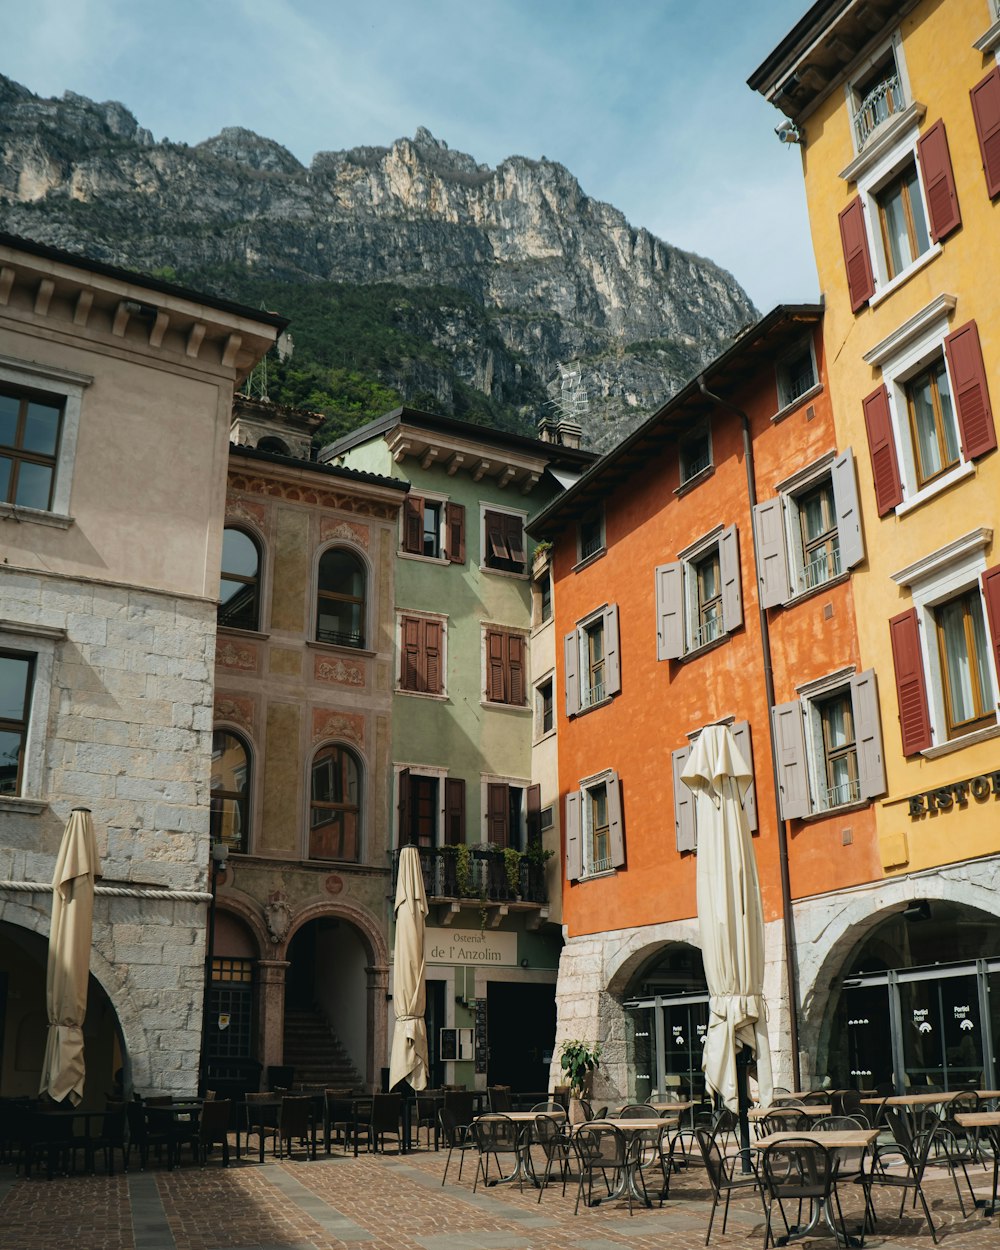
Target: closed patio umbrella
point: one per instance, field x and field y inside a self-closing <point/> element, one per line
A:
<point x="730" y="916"/>
<point x="409" y="997"/>
<point x="70" y="939"/>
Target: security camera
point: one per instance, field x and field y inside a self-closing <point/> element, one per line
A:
<point x="788" y="132"/>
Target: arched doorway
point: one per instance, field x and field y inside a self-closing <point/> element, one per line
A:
<point x="232" y="1061"/>
<point x="905" y="1018"/>
<point x="666" y="1013"/>
<point x="24" y="1023"/>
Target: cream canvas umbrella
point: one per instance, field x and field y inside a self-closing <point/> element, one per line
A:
<point x="70" y="939"/>
<point x="730" y="915"/>
<point x="409" y="997"/>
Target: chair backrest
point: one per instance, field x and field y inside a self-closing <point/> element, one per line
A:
<point x="965" y="1101"/>
<point x="601" y="1145"/>
<point x="450" y="1126"/>
<point x="386" y="1110"/>
<point x="785" y="1120"/>
<point x="461" y="1103"/>
<point x="549" y="1134"/>
<point x="213" y="1123"/>
<point x="638" y="1111"/>
<point x="499" y="1098"/>
<point x="496" y="1134"/>
<point x="799" y="1168"/>
<point x="293" y="1120"/>
<point x="712" y="1157"/>
<point x="725" y="1121"/>
<point x="836" y="1124"/>
<point x="599" y="1114"/>
<point x="846" y="1102"/>
<point x="549" y="1108"/>
<point x="821" y="1096"/>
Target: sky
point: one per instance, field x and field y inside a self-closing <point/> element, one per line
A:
<point x="644" y="101"/>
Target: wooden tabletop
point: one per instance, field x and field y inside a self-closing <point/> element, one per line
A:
<point x="978" y="1119"/>
<point x="909" y="1100"/>
<point x="630" y="1125"/>
<point x="842" y="1139"/>
<point x="672" y="1106"/>
<point x="814" y="1110"/>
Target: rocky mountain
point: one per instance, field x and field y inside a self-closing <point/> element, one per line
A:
<point x="408" y="270"/>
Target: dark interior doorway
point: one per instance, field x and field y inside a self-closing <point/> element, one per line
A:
<point x="521" y="1033"/>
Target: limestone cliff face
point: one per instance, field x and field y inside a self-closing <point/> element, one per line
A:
<point x="559" y="275"/>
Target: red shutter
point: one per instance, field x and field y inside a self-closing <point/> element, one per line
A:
<point x="413" y="525"/>
<point x="882" y="445"/>
<point x="991" y="592"/>
<point x="496" y="686"/>
<point x="860" y="282"/>
<point x="454" y="811"/>
<point x="455" y="527"/>
<point x="939" y="182"/>
<point x="515" y="670"/>
<point x="986" y="114"/>
<point x="497" y="825"/>
<point x="971" y="394"/>
<point x="432" y="657"/>
<point x="911" y="688"/>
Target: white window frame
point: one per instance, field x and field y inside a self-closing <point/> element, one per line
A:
<point x="791" y="491"/>
<point x="38" y="642"/>
<point x="690" y="558"/>
<point x="428" y="496"/>
<point x="595" y="514"/>
<point x="484" y="540"/>
<point x="494" y="627"/>
<point x="419" y="770"/>
<point x="605" y="778"/>
<point x="441" y="617"/>
<point x="686" y="476"/>
<point x="68" y="387"/>
<point x="860" y="70"/>
<point x="547" y="678"/>
<point x="786" y="402"/>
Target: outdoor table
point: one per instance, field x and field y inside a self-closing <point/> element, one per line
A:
<point x="271" y="1107"/>
<point x="916" y="1105"/>
<point x="360" y="1114"/>
<point x="671" y="1108"/>
<point x="990" y="1121"/>
<point x="41" y="1114"/>
<point x="175" y="1111"/>
<point x="814" y="1111"/>
<point x="631" y="1127"/>
<point x="524" y="1119"/>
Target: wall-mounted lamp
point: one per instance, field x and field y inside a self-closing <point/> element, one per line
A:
<point x="789" y="132"/>
<point x="220" y="853"/>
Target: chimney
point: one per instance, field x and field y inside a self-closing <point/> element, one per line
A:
<point x="570" y="433"/>
<point x="547" y="429"/>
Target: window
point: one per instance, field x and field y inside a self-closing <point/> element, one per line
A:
<point x="505" y="815"/>
<point x="434" y="529"/>
<point x="504" y="661"/>
<point x="877" y="96"/>
<point x="595" y="840"/>
<point x="699" y="599"/>
<point x="695" y="455"/>
<point x="335" y="805"/>
<point x="590" y="536"/>
<point x="546" y="818"/>
<point x="16" y="677"/>
<point x="593" y="671"/>
<point x="828" y="743"/>
<point x="810" y="532"/>
<point x="946" y="648"/>
<point x="503" y="541"/>
<point x="429" y="801"/>
<point x="239" y="585"/>
<point x="931" y="417"/>
<point x="229" y="818"/>
<point x="541" y="598"/>
<point x="903" y="228"/>
<point x="796" y="374"/>
<point x="544" y="708"/>
<point x="421" y="654"/>
<point x="30" y="424"/>
<point x="685" y="809"/>
<point x="340" y="606"/>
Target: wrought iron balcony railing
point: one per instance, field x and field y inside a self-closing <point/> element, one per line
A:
<point x="884" y="100"/>
<point x="482" y="874"/>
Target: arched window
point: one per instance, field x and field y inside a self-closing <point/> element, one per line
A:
<point x="239" y="585"/>
<point x="230" y="818"/>
<point x="335" y="808"/>
<point x="340" y="604"/>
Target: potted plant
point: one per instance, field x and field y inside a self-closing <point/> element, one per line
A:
<point x="578" y="1060"/>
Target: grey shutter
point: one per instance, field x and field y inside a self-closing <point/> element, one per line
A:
<point x="868" y="734"/>
<point x="612" y="652"/>
<point x="574" y="837"/>
<point x="790" y="748"/>
<point x="685" y="829"/>
<point x="741" y="732"/>
<point x="772" y="553"/>
<point x="729" y="572"/>
<point x="845" y="503"/>
<point x="669" y="611"/>
<point x="572" y="649"/>
<point x="616" y="831"/>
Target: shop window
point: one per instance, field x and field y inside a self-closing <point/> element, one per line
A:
<point x="229" y="819"/>
<point x="239" y="585"/>
<point x="335" y="805"/>
<point x="340" y="600"/>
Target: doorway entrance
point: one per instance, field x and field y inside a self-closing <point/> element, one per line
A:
<point x="521" y="1033"/>
<point x="668" y="1023"/>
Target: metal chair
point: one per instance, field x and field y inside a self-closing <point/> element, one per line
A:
<point x="295" y="1124"/>
<point x="549" y="1108"/>
<point x="262" y="1112"/>
<point x="722" y="1175"/>
<point x="913" y="1154"/>
<point x="456" y="1136"/>
<point x="556" y="1147"/>
<point x="386" y="1109"/>
<point x="499" y="1096"/>
<point x="341" y="1119"/>
<point x="800" y="1170"/>
<point x="497" y="1135"/>
<point x="112" y="1136"/>
<point x="602" y="1150"/>
<point x="213" y="1129"/>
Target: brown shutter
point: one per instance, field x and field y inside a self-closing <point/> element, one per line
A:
<point x="911" y="687"/>
<point x="514" y="528"/>
<point x="985" y="97"/>
<point x="497" y="814"/>
<point x="454" y="811"/>
<point x="411" y="672"/>
<point x="433" y="634"/>
<point x="939" y="182"/>
<point x="991" y="593"/>
<point x="413" y="524"/>
<point x="497" y="548"/>
<point x="534" y="813"/>
<point x="860" y="283"/>
<point x="454" y="520"/>
<point x="882" y="446"/>
<point x="971" y="394"/>
<point x="616" y="829"/>
<point x="404" y="832"/>
<point x="496" y="686"/>
<point x="574" y="836"/>
<point x="515" y="670"/>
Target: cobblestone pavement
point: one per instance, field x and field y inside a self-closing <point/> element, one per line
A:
<point x="393" y="1202"/>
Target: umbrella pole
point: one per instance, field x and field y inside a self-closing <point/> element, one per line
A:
<point x="743" y="1061"/>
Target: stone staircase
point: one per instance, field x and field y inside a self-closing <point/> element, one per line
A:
<point x="315" y="1052"/>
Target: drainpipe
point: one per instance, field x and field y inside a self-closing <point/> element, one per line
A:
<point x="791" y="963"/>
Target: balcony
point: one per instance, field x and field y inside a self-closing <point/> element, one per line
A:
<point x="883" y="101"/>
<point x="483" y="879"/>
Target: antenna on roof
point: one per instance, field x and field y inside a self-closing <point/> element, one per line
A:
<point x="573" y="402"/>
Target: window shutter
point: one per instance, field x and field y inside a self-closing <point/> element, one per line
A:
<point x="843" y="476"/>
<point x="497" y="548"/>
<point x="433" y="632"/>
<point x="685" y="830"/>
<point x="497" y="814"/>
<point x="571" y="647"/>
<point x="741" y="732"/>
<point x="574" y="837"/>
<point x="454" y="811"/>
<point x="729" y="572"/>
<point x="853" y="237"/>
<point x="412" y="671"/>
<point x="868" y="734"/>
<point x="669" y="611"/>
<point x="971" y="394"/>
<point x="911" y="686"/>
<point x="454" y="520"/>
<point x="882" y="446"/>
<point x="985" y="97"/>
<point x="772" y="553"/>
<point x="939" y="182"/>
<point x="612" y="652"/>
<point x="515" y="670"/>
<point x="514" y="533"/>
<point x="413" y="524"/>
<point x="534" y="814"/>
<point x="496" y="686"/>
<point x="790" y="748"/>
<point x="404" y="831"/>
<point x="616" y="831"/>
<point x="991" y="593"/>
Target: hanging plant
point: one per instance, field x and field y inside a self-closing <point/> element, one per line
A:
<point x="512" y="866"/>
<point x="463" y="870"/>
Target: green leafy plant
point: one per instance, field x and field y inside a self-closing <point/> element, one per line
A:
<point x="538" y="854"/>
<point x="512" y="866"/>
<point x="577" y="1059"/>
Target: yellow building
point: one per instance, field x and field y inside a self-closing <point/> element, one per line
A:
<point x="896" y="110"/>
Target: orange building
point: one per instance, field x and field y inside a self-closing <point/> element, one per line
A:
<point x="702" y="572"/>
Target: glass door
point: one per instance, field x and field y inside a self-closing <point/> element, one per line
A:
<point x="864" y="1024"/>
<point x="942" y="1031"/>
<point x="685" y="1026"/>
